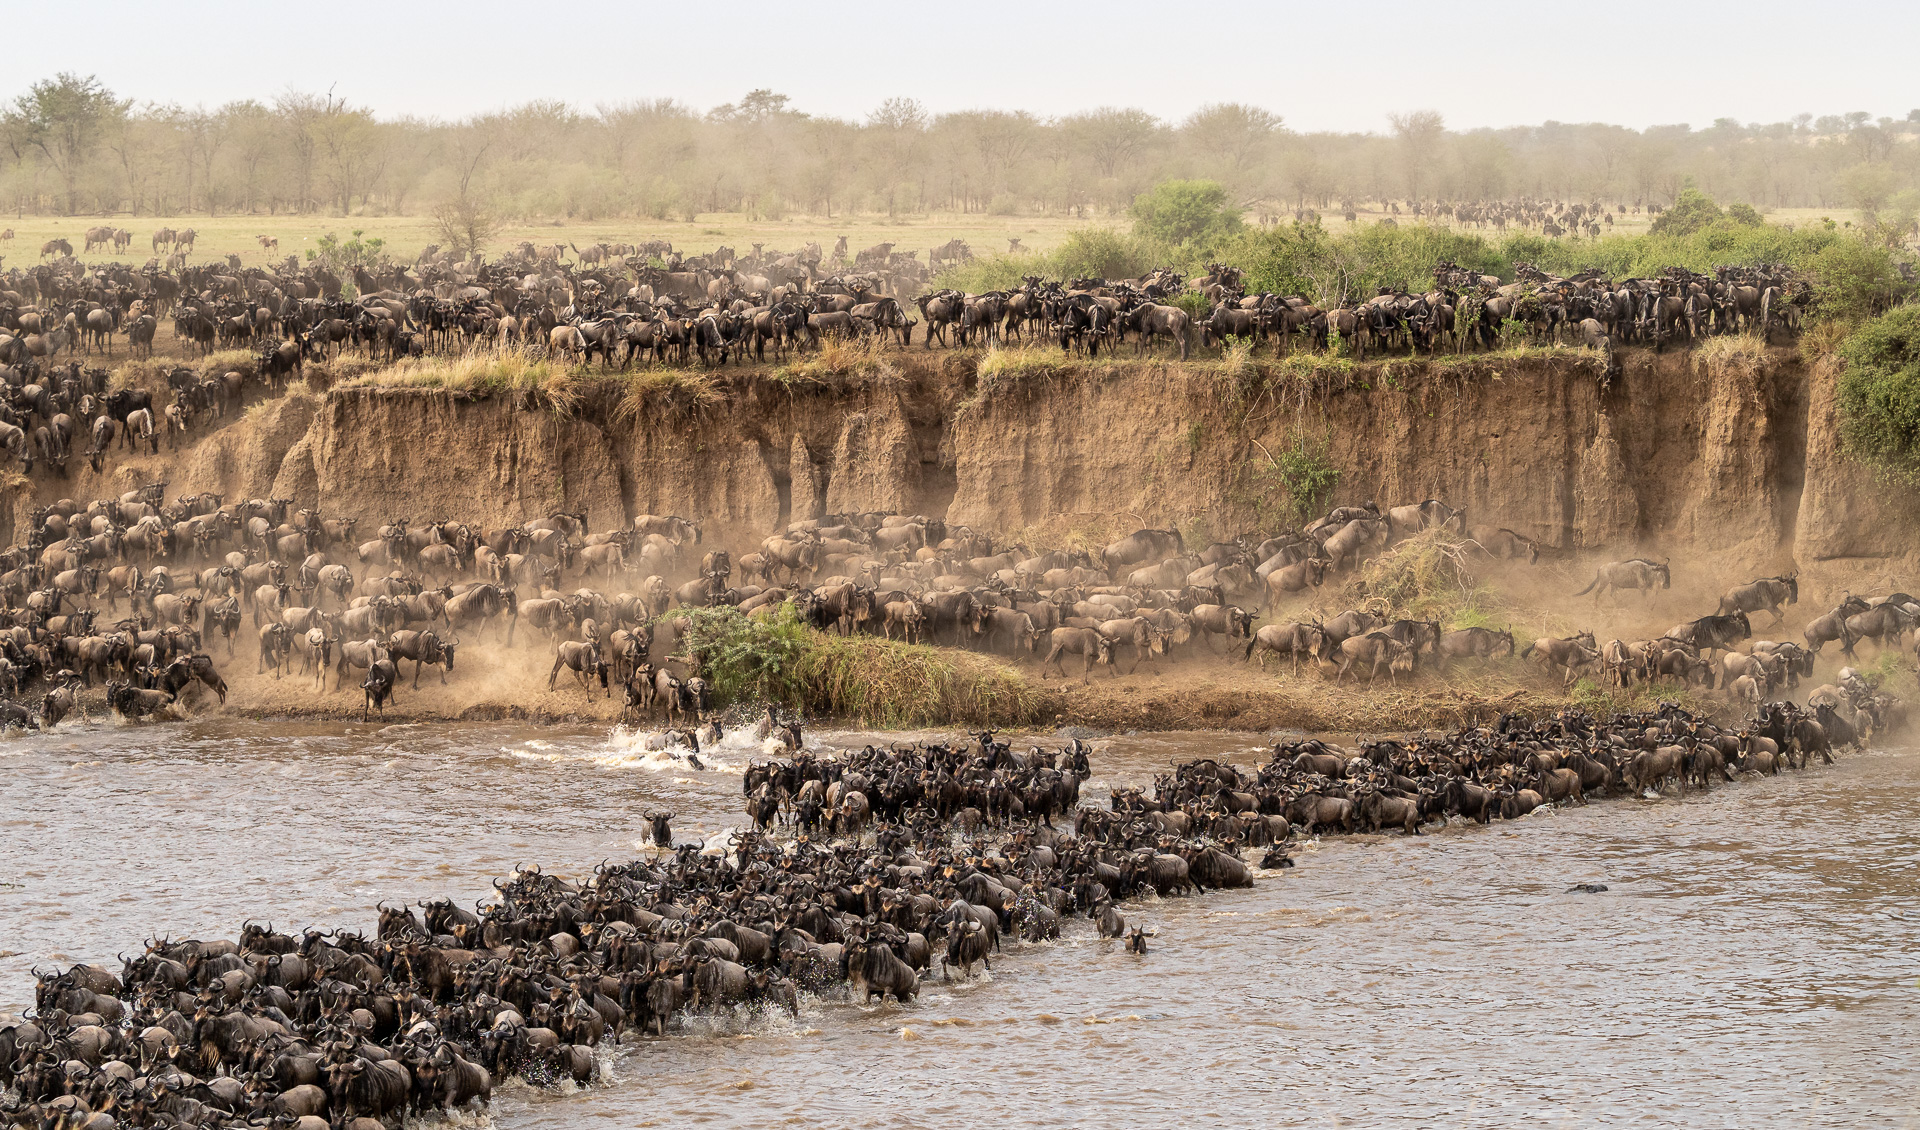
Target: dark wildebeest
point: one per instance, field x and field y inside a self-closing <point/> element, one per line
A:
<point x="583" y="659"/>
<point x="1139" y="546"/>
<point x="1483" y="643"/>
<point x="1506" y="544"/>
<point x="1572" y="654"/>
<point x="1712" y="631"/>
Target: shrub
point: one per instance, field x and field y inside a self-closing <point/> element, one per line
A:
<point x="1185" y="212"/>
<point x="1691" y="212"/>
<point x="1303" y="474"/>
<point x="752" y="660"/>
<point x="1879" y="392"/>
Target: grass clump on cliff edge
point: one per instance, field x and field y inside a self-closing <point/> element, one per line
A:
<point x="840" y="364"/>
<point x="1879" y="393"/>
<point x="875" y="681"/>
<point x="486" y="373"/>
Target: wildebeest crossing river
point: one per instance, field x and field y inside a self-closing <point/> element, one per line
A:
<point x="1746" y="966"/>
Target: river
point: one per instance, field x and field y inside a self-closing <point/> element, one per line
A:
<point x="1746" y="967"/>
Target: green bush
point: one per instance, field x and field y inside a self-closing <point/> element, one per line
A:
<point x="1879" y="392"/>
<point x="1693" y="211"/>
<point x="1197" y="305"/>
<point x="751" y="660"/>
<point x="1185" y="213"/>
<point x="1100" y="252"/>
<point x="747" y="659"/>
<point x="1302" y="474"/>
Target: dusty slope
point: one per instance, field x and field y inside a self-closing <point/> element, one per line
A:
<point x="1729" y="469"/>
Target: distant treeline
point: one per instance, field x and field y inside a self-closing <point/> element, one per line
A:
<point x="69" y="145"/>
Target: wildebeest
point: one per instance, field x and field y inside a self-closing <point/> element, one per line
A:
<point x="1636" y="573"/>
<point x="1572" y="655"/>
<point x="1712" y="631"/>
<point x="378" y="686"/>
<point x="1292" y="640"/>
<point x="1084" y="642"/>
<point x="1766" y="593"/>
<point x="583" y="659"/>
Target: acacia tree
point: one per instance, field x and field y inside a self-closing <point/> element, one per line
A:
<point x="64" y="117"/>
<point x="1419" y="132"/>
<point x="898" y="129"/>
<point x="465" y="224"/>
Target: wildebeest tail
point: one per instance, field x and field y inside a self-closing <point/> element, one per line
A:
<point x="1528" y="650"/>
<point x="1590" y="584"/>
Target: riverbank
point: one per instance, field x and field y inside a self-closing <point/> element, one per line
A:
<point x="1199" y="692"/>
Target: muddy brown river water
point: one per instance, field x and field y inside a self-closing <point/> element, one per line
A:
<point x="1748" y="966"/>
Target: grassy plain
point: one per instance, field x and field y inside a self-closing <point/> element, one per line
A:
<point x="405" y="236"/>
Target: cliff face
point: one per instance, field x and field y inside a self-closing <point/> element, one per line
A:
<point x="1671" y="456"/>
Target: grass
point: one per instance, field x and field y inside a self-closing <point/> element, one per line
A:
<point x="841" y="364"/>
<point x="1734" y="354"/>
<point x="406" y="236"/>
<point x="496" y="373"/>
<point x="1425" y="577"/>
<point x="875" y="681"/>
<point x="897" y="685"/>
<point x="669" y="391"/>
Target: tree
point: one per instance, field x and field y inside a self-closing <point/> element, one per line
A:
<point x="1868" y="187"/>
<point x="1419" y="132"/>
<point x="64" y="118"/>
<point x="1185" y="212"/>
<point x="1691" y="211"/>
<point x="1232" y="133"/>
<point x="202" y="134"/>
<point x="758" y="106"/>
<point x="1111" y="138"/>
<point x="300" y="114"/>
<point x="896" y="130"/>
<point x="464" y="226"/>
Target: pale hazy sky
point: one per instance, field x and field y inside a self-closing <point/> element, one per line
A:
<point x="1321" y="66"/>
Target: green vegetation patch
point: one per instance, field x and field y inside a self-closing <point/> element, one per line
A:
<point x="1879" y="393"/>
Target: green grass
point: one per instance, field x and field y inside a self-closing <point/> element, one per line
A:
<point x="873" y="681"/>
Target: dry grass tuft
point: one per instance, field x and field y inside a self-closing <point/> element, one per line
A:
<point x="1731" y="355"/>
<point x="486" y="373"/>
<point x="1426" y="577"/>
<point x="843" y="364"/>
<point x="670" y="391"/>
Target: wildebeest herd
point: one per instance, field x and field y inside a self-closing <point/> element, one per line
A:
<point x="646" y="299"/>
<point x="872" y="864"/>
<point x="341" y="1029"/>
<point x="319" y="596"/>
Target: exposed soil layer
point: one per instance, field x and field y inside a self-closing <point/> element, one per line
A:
<point x="1732" y="466"/>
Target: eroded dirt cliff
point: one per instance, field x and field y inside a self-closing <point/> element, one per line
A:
<point x="1669" y="456"/>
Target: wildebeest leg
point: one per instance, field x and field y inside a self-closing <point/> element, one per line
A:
<point x="551" y="675"/>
